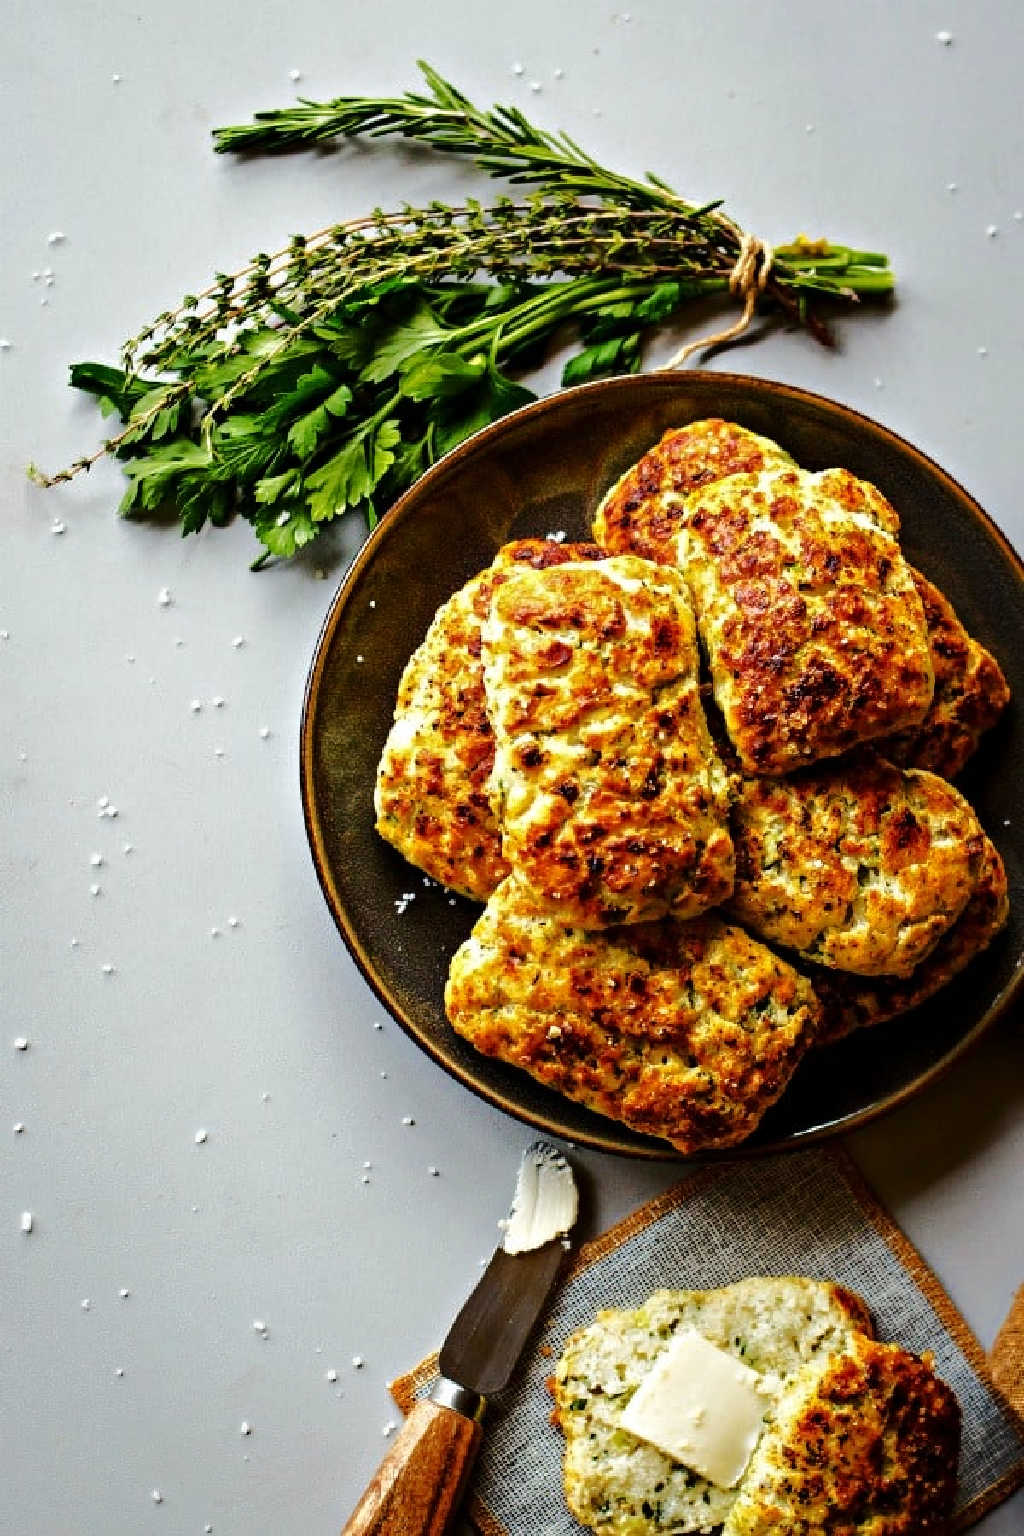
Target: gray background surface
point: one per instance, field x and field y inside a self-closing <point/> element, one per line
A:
<point x="847" y="121"/>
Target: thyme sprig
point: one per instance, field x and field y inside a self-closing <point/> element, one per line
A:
<point x="330" y="374"/>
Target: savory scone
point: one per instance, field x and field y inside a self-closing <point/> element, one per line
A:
<point x="622" y="1486"/>
<point x="688" y="1031"/>
<point x="431" y="792"/>
<point x="814" y="628"/>
<point x="860" y="866"/>
<point x="855" y="1002"/>
<point x="865" y="1443"/>
<point x="970" y="693"/>
<point x="642" y="512"/>
<point x="612" y="800"/>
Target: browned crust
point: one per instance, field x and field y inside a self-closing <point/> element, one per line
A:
<point x="855" y="1002"/>
<point x="642" y="512"/>
<point x="970" y="693"/>
<point x="432" y="796"/>
<point x="860" y="866"/>
<point x="612" y="800"/>
<point x="688" y="1031"/>
<point x="870" y="1449"/>
<point x="814" y="628"/>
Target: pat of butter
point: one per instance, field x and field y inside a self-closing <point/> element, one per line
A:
<point x="700" y="1406"/>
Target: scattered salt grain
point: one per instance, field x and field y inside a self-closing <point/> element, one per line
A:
<point x="1018" y="214"/>
<point x="517" y="69"/>
<point x="373" y="600"/>
<point x="238" y="641"/>
<point x="378" y="1024"/>
<point x="115" y="79"/>
<point x="535" y="86"/>
<point x="217" y="701"/>
<point x="199" y="1138"/>
<point x="388" y="1428"/>
<point x="195" y="706"/>
<point x="558" y="537"/>
<point x="559" y="74"/>
<point x="107" y="968"/>
<point x="26" y="1221"/>
<point x="232" y="922"/>
<point x="21" y="1043"/>
<point x="214" y="933"/>
<point x="119" y="1371"/>
<point x="991" y="230"/>
<point x="435" y="1173"/>
<point x="295" y="74"/>
<point x="124" y="1293"/>
<point x="245" y="1428"/>
<point x="56" y="238"/>
<point x="5" y="344"/>
<point x="365" y="1179"/>
<point x="944" y="37"/>
<point x="18" y="1127"/>
<point x="86" y="1304"/>
<point x="367" y="1165"/>
<point x="983" y="351"/>
<point x="57" y="527"/>
<point x="408" y="1120"/>
<point x="259" y="1326"/>
<point x="44" y="302"/>
<point x="264" y="732"/>
<point x="331" y="1375"/>
<point x="157" y="1496"/>
<point x="96" y="859"/>
<point x="218" y="751"/>
<point x="94" y="890"/>
<point x="164" y="597"/>
<point x="384" y="1075"/>
<point x="357" y="1362"/>
<point x="127" y="847"/>
<point x="951" y="186"/>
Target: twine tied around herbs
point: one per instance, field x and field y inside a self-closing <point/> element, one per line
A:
<point x="748" y="278"/>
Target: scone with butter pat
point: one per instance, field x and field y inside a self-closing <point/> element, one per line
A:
<point x="857" y="1002"/>
<point x="689" y="1031"/>
<point x="612" y="799"/>
<point x="642" y="512"/>
<point x="619" y="1485"/>
<point x="970" y="693"/>
<point x="865" y="1443"/>
<point x="431" y="793"/>
<point x="861" y="866"/>
<point x="814" y="627"/>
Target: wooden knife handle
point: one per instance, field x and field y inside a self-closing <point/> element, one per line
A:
<point x="418" y="1485"/>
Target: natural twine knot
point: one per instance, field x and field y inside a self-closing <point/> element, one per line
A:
<point x="748" y="278"/>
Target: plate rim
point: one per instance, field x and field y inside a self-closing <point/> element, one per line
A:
<point x="647" y="1148"/>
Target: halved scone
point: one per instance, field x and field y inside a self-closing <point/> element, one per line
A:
<point x="619" y="1485"/>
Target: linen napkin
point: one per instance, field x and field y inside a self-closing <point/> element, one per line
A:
<point x="808" y="1213"/>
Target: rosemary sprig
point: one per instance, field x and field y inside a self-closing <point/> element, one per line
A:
<point x="330" y="374"/>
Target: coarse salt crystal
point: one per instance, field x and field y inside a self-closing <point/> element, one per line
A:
<point x="259" y="1326"/>
<point x="26" y="1221"/>
<point x="96" y="859"/>
<point x="295" y="74"/>
<point x="238" y="641"/>
<point x="94" y="890"/>
<point x="196" y="706"/>
<point x="358" y="1362"/>
<point x="991" y="230"/>
<point x="164" y="597"/>
<point x="944" y="37"/>
<point x="245" y="1428"/>
<point x="107" y="968"/>
<point x="331" y="1375"/>
<point x="157" y="1496"/>
<point x="18" y="1127"/>
<point x="21" y="1043"/>
<point x="58" y="527"/>
<point x="199" y="1138"/>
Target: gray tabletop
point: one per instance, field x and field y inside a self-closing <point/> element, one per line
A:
<point x="174" y="1289"/>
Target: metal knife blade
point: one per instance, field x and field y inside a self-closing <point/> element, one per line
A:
<point x="488" y="1336"/>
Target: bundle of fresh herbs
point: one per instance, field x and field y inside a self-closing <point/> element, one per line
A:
<point x="330" y="375"/>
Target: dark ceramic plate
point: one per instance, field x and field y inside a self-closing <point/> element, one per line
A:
<point x="544" y="469"/>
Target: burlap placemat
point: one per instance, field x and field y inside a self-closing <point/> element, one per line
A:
<point x="810" y="1214"/>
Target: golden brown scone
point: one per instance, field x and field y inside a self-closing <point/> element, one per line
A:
<point x="621" y="1486"/>
<point x="855" y="1002"/>
<point x="970" y="693"/>
<point x="814" y="629"/>
<point x="866" y="1444"/>
<point x="612" y="800"/>
<point x="688" y="1031"/>
<point x="431" y="799"/>
<point x="860" y="866"/>
<point x="641" y="513"/>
